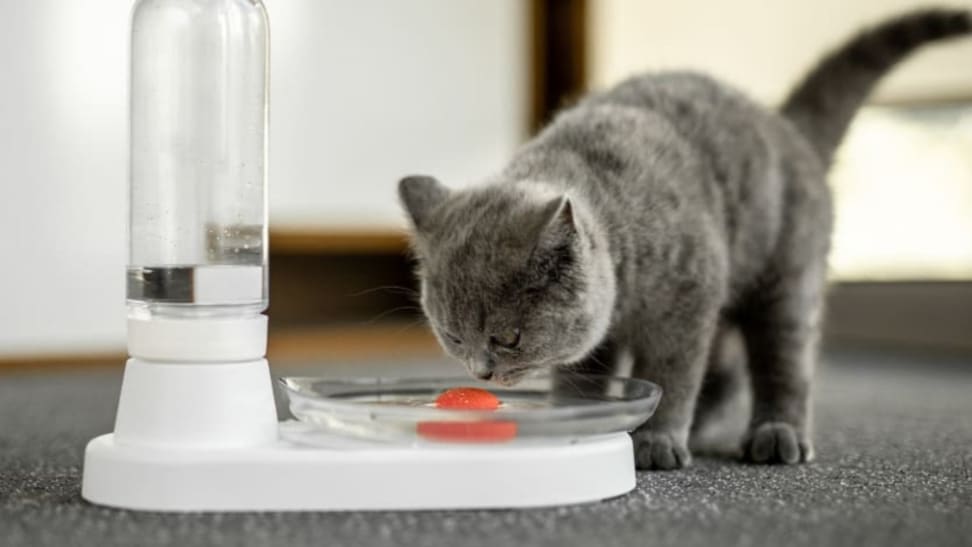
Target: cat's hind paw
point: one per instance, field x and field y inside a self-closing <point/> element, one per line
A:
<point x="659" y="451"/>
<point x="776" y="442"/>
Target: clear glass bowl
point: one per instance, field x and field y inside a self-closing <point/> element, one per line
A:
<point x="403" y="410"/>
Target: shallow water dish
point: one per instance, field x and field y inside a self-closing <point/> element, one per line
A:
<point x="403" y="410"/>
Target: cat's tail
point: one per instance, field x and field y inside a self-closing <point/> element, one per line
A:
<point x="823" y="104"/>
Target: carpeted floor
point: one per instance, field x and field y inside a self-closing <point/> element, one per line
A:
<point x="894" y="443"/>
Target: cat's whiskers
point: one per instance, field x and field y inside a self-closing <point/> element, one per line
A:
<point x="408" y="291"/>
<point x="386" y="313"/>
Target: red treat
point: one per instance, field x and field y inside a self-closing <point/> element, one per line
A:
<point x="468" y="432"/>
<point x="467" y="398"/>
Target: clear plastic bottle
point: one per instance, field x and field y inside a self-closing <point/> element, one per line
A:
<point x="197" y="379"/>
<point x="198" y="207"/>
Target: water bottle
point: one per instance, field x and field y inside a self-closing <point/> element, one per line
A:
<point x="197" y="268"/>
<point x="198" y="207"/>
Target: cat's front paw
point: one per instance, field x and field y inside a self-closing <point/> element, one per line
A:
<point x="659" y="451"/>
<point x="776" y="442"/>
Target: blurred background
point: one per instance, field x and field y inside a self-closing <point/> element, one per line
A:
<point x="365" y="92"/>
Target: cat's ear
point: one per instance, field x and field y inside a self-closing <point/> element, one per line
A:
<point x="419" y="195"/>
<point x="556" y="222"/>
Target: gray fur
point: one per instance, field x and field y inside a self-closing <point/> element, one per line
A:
<point x="653" y="218"/>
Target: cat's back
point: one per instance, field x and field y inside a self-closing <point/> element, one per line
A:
<point x="724" y="125"/>
<point x="733" y="154"/>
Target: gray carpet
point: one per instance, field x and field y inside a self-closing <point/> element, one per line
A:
<point x="894" y="439"/>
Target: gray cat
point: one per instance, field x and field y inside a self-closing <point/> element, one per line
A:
<point x="655" y="219"/>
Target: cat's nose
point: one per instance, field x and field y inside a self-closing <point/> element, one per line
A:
<point x="483" y="368"/>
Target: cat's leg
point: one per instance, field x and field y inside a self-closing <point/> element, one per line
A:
<point x="672" y="354"/>
<point x="724" y="382"/>
<point x="781" y="329"/>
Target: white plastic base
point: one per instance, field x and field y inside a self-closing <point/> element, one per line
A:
<point x="204" y="437"/>
<point x="287" y="477"/>
<point x="196" y="406"/>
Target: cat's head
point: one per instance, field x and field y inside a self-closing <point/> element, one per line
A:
<point x="514" y="278"/>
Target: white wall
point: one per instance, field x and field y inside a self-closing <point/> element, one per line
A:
<point x="362" y="93"/>
<point x="367" y="91"/>
<point x="903" y="183"/>
<point x="62" y="209"/>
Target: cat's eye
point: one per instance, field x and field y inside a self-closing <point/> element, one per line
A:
<point x="507" y="339"/>
<point x="454" y="339"/>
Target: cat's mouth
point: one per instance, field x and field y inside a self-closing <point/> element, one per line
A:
<point x="503" y="375"/>
<point x="510" y="376"/>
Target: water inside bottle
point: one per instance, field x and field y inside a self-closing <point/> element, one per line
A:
<point x="229" y="281"/>
<point x="196" y="290"/>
